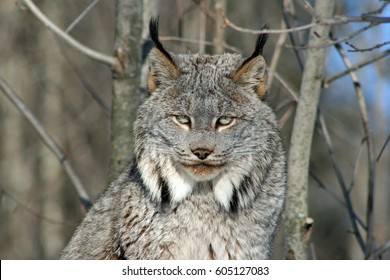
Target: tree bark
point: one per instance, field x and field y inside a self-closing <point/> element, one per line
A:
<point x="126" y="82"/>
<point x="219" y="28"/>
<point x="297" y="222"/>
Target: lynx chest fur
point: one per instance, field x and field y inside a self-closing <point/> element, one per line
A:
<point x="208" y="179"/>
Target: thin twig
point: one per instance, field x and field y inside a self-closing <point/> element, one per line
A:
<point x="356" y="167"/>
<point x="383" y="148"/>
<point x="370" y="216"/>
<point x="355" y="67"/>
<point x="340" y="180"/>
<point x="269" y="31"/>
<point x="332" y="194"/>
<point x="351" y="35"/>
<point x="210" y="14"/>
<point x="380" y="9"/>
<point x="81" y="16"/>
<point x="290" y="91"/>
<point x="284" y="118"/>
<point x="307" y="7"/>
<point x="332" y="42"/>
<point x="34" y="213"/>
<point x="197" y="41"/>
<point x="288" y="12"/>
<point x="356" y="49"/>
<point x="276" y="56"/>
<point x="379" y="251"/>
<point x="84" y="82"/>
<point x="48" y="141"/>
<point x="97" y="56"/>
<point x="340" y="20"/>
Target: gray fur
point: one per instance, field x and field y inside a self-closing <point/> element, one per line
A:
<point x="171" y="204"/>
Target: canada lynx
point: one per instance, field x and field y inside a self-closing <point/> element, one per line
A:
<point x="208" y="179"/>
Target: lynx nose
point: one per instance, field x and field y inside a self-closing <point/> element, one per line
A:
<point x="201" y="153"/>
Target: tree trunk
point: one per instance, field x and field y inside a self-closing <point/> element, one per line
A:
<point x="126" y="82"/>
<point x="297" y="224"/>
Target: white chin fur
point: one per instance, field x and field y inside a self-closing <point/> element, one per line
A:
<point x="224" y="187"/>
<point x="180" y="186"/>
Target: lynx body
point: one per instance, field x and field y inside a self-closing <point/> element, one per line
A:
<point x="208" y="179"/>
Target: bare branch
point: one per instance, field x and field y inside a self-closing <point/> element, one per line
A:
<point x="356" y="49"/>
<point x="356" y="167"/>
<point x="35" y="213"/>
<point x="369" y="18"/>
<point x="283" y="119"/>
<point x="269" y="31"/>
<point x="204" y="10"/>
<point x="196" y="41"/>
<point x="333" y="42"/>
<point x="383" y="148"/>
<point x="290" y="18"/>
<point x="276" y="56"/>
<point x="103" y="58"/>
<point x="357" y="66"/>
<point x="338" y="20"/>
<point x="82" y="15"/>
<point x="380" y="9"/>
<point x="290" y="91"/>
<point x="370" y="240"/>
<point x="307" y="7"/>
<point x="379" y="251"/>
<point x="332" y="194"/>
<point x="48" y="141"/>
<point x="84" y="82"/>
<point x="340" y="180"/>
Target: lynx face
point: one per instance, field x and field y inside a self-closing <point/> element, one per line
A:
<point x="205" y="117"/>
<point x="205" y="121"/>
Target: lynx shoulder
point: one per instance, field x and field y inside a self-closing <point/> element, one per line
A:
<point x="208" y="179"/>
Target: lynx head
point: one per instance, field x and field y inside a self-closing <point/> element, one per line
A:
<point x="205" y="122"/>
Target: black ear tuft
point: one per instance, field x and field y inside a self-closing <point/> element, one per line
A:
<point x="260" y="42"/>
<point x="153" y="30"/>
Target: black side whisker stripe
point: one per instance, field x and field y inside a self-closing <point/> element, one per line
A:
<point x="245" y="186"/>
<point x="135" y="176"/>
<point x="134" y="173"/>
<point x="165" y="194"/>
<point x="234" y="202"/>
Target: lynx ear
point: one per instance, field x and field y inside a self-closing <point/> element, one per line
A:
<point x="162" y="68"/>
<point x="252" y="70"/>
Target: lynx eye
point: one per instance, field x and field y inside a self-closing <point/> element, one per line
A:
<point x="182" y="119"/>
<point x="225" y="120"/>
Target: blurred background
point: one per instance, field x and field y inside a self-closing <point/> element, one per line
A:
<point x="39" y="208"/>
